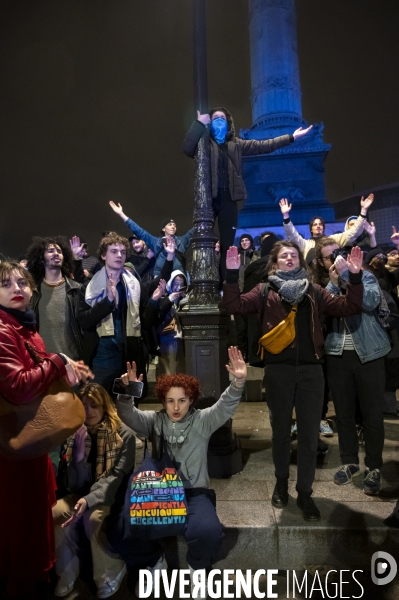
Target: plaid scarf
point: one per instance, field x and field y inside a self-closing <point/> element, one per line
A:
<point x="108" y="447"/>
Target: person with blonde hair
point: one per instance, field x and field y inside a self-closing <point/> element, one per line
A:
<point x="96" y="463"/>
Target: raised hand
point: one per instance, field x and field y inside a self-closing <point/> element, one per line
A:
<point x="159" y="292"/>
<point x="233" y="260"/>
<point x="131" y="374"/>
<point x="238" y="367"/>
<point x="112" y="292"/>
<point x="204" y="119"/>
<point x="78" y="511"/>
<point x="395" y="236"/>
<point x="118" y="209"/>
<point x="170" y="246"/>
<point x="76" y="247"/>
<point x="298" y="133"/>
<point x="340" y="265"/>
<point x="365" y="203"/>
<point x="354" y="260"/>
<point x="285" y="207"/>
<point x="370" y="227"/>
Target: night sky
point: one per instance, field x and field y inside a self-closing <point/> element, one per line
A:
<point x="96" y="96"/>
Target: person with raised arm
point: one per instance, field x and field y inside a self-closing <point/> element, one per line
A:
<point x="226" y="152"/>
<point x="293" y="359"/>
<point x="185" y="431"/>
<point x="156" y="244"/>
<point x="317" y="227"/>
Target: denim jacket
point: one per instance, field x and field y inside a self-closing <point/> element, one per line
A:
<point x="369" y="337"/>
<point x="155" y="243"/>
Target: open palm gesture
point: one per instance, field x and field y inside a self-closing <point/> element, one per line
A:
<point x="354" y="260"/>
<point x="237" y="366"/>
<point x="233" y="260"/>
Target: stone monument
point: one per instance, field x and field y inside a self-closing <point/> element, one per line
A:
<point x="296" y="171"/>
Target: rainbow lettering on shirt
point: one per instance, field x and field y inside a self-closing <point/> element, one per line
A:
<point x="157" y="498"/>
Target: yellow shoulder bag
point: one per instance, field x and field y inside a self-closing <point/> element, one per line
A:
<point x="280" y="337"/>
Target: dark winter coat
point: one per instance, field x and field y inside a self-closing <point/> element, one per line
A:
<point x="236" y="149"/>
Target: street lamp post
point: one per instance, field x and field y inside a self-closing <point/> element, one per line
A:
<point x="204" y="324"/>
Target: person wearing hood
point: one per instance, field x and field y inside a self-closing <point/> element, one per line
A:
<point x="156" y="244"/>
<point x="226" y="152"/>
<point x="353" y="228"/>
<point x="161" y="313"/>
<point x="186" y="432"/>
<point x="293" y="367"/>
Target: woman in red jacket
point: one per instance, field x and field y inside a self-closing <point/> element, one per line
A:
<point x="28" y="486"/>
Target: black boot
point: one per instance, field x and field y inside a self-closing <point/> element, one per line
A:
<point x="280" y="494"/>
<point x="308" y="507"/>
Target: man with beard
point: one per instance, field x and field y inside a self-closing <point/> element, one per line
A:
<point x="142" y="258"/>
<point x="58" y="300"/>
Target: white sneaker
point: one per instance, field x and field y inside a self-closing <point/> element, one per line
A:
<point x="160" y="565"/>
<point x="194" y="579"/>
<point x="63" y="590"/>
<point x="109" y="588"/>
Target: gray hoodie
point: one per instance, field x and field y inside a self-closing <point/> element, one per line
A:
<point x="186" y="440"/>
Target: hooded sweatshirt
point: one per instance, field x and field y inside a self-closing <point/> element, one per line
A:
<point x="186" y="440"/>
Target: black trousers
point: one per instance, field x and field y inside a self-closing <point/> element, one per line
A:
<point x="349" y="380"/>
<point x="301" y="386"/>
<point x="226" y="211"/>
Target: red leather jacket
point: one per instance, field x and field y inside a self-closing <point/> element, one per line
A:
<point x="21" y="380"/>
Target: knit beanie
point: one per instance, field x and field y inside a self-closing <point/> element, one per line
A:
<point x="268" y="244"/>
<point x="165" y="222"/>
<point x="370" y="255"/>
<point x="246" y="235"/>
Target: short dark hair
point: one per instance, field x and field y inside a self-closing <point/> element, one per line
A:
<point x="111" y="238"/>
<point x="314" y="219"/>
<point x="35" y="256"/>
<point x="272" y="264"/>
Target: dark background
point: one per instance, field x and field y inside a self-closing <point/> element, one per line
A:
<point x="96" y="96"/>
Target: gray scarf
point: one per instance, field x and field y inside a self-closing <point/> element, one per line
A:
<point x="292" y="285"/>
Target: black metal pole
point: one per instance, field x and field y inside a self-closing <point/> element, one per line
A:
<point x="204" y="324"/>
<point x="200" y="57"/>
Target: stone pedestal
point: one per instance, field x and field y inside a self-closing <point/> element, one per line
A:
<point x="295" y="172"/>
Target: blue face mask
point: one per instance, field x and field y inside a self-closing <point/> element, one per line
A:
<point x="219" y="129"/>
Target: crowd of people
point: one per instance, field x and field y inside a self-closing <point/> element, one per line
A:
<point x="320" y="314"/>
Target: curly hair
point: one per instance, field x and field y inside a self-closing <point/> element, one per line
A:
<point x="272" y="264"/>
<point x="8" y="267"/>
<point x="111" y="238"/>
<point x="35" y="256"/>
<point x="96" y="392"/>
<point x="187" y="382"/>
